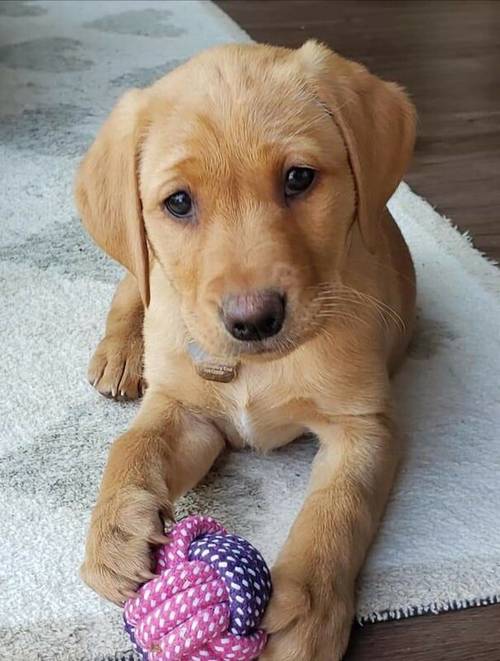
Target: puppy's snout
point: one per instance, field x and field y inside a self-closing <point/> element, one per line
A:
<point x="254" y="316"/>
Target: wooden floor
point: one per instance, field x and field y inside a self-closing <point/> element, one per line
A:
<point x="447" y="55"/>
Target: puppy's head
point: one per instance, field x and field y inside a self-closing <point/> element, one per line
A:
<point x="246" y="173"/>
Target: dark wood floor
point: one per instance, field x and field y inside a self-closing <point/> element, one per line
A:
<point x="447" y="55"/>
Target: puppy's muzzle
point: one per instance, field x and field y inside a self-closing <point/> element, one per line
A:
<point x="254" y="316"/>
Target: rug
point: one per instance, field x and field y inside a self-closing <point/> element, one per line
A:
<point x="62" y="66"/>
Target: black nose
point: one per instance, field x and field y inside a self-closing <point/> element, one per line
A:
<point x="253" y="316"/>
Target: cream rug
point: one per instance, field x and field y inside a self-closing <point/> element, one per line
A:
<point x="62" y="65"/>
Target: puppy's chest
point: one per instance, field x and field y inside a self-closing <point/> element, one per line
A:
<point x="253" y="417"/>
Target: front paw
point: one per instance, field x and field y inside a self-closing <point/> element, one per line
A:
<point x="306" y="618"/>
<point x="123" y="531"/>
<point x="115" y="369"/>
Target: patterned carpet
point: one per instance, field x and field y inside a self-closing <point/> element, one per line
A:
<point x="62" y="66"/>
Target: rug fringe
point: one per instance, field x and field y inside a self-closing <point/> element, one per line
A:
<point x="433" y="608"/>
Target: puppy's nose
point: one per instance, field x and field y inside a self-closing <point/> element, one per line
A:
<point x="253" y="316"/>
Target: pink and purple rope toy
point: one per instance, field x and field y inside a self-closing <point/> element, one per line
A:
<point x="207" y="601"/>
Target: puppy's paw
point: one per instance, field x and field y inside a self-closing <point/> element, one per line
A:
<point x="306" y="620"/>
<point x="115" y="369"/>
<point x="123" y="531"/>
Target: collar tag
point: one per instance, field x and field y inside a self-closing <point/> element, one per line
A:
<point x="210" y="368"/>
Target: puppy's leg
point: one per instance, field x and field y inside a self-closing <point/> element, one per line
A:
<point x="115" y="369"/>
<point x="165" y="453"/>
<point x="312" y="607"/>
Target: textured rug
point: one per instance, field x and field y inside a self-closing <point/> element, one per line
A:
<point x="62" y="66"/>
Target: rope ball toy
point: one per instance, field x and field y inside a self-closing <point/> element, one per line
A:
<point x="207" y="601"/>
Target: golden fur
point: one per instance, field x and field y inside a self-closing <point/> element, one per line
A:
<point x="226" y="126"/>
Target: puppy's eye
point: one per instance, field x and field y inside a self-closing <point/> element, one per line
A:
<point x="297" y="180"/>
<point x="179" y="204"/>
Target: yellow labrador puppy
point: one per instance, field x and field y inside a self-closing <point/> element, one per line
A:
<point x="269" y="292"/>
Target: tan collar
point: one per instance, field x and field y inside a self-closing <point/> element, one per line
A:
<point x="210" y="367"/>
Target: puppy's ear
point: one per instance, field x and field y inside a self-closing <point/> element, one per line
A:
<point x="377" y="122"/>
<point x="107" y="188"/>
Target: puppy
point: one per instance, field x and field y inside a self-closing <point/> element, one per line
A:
<point x="245" y="193"/>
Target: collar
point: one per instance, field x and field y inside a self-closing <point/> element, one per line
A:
<point x="210" y="367"/>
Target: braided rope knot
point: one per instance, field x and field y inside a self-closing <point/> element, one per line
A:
<point x="207" y="601"/>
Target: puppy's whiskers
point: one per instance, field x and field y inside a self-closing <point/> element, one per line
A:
<point x="331" y="300"/>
